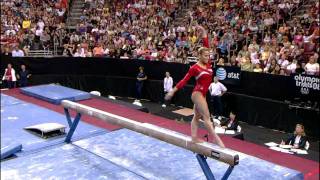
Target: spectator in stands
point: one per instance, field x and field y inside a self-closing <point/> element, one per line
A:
<point x="80" y="52"/>
<point x="231" y="123"/>
<point x="221" y="62"/>
<point x="23" y="76"/>
<point x="291" y="68"/>
<point x="257" y="68"/>
<point x="217" y="89"/>
<point x="244" y="52"/>
<point x="276" y="70"/>
<point x="98" y="50"/>
<point x="233" y="61"/>
<point x="246" y="65"/>
<point x="298" y="140"/>
<point x="10" y="77"/>
<point x="312" y="68"/>
<point x="299" y="69"/>
<point x="270" y="66"/>
<point x="283" y="72"/>
<point x="167" y="87"/>
<point x="16" y="52"/>
<point x="223" y="47"/>
<point x="67" y="50"/>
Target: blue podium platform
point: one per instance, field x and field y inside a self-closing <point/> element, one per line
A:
<point x="155" y="159"/>
<point x="64" y="162"/>
<point x="99" y="154"/>
<point x="124" y="154"/>
<point x="55" y="93"/>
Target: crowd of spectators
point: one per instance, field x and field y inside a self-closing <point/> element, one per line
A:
<point x="30" y="24"/>
<point x="256" y="35"/>
<point x="121" y="29"/>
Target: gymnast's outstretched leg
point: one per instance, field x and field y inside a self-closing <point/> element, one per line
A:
<point x="202" y="108"/>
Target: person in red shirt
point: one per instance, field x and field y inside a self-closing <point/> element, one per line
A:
<point x="202" y="71"/>
<point x="64" y="4"/>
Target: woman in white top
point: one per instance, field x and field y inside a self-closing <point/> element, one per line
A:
<point x="298" y="139"/>
<point x="312" y="67"/>
<point x="9" y="76"/>
<point x="167" y="86"/>
<point x="283" y="62"/>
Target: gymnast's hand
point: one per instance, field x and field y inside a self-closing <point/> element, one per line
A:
<point x="170" y="94"/>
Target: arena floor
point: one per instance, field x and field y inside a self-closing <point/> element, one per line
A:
<point x="104" y="151"/>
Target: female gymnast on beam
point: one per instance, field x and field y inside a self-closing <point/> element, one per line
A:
<point x="202" y="71"/>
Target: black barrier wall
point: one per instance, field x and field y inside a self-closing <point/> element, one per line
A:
<point x="118" y="77"/>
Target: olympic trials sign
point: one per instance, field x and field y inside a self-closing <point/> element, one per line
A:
<point x="306" y="84"/>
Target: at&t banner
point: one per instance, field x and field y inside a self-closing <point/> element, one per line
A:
<point x="228" y="74"/>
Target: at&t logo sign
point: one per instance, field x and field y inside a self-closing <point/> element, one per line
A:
<point x="221" y="73"/>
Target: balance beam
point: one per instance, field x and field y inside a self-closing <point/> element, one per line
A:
<point x="172" y="137"/>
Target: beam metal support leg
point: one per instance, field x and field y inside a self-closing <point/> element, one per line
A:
<point x="207" y="171"/>
<point x="66" y="112"/>
<point x="227" y="173"/>
<point x="73" y="127"/>
<point x="205" y="167"/>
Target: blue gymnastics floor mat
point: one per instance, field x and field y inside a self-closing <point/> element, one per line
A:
<point x="155" y="159"/>
<point x="55" y="93"/>
<point x="15" y="118"/>
<point x="64" y="162"/>
<point x="8" y="100"/>
<point x="98" y="154"/>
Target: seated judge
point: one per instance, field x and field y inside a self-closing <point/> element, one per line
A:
<point x="298" y="140"/>
<point x="231" y="123"/>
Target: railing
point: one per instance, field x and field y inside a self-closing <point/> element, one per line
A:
<point x="40" y="53"/>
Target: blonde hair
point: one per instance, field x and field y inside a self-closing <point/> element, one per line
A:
<point x="302" y="127"/>
<point x="202" y="50"/>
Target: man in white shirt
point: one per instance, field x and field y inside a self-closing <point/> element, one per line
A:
<point x="283" y="62"/>
<point x="79" y="53"/>
<point x="291" y="68"/>
<point x="39" y="32"/>
<point x="216" y="90"/>
<point x="167" y="86"/>
<point x="40" y="24"/>
<point x="74" y="38"/>
<point x="16" y="52"/>
<point x="312" y="67"/>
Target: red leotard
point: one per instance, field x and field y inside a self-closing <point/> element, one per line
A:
<point x="203" y="78"/>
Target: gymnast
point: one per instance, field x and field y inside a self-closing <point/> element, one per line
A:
<point x="202" y="71"/>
